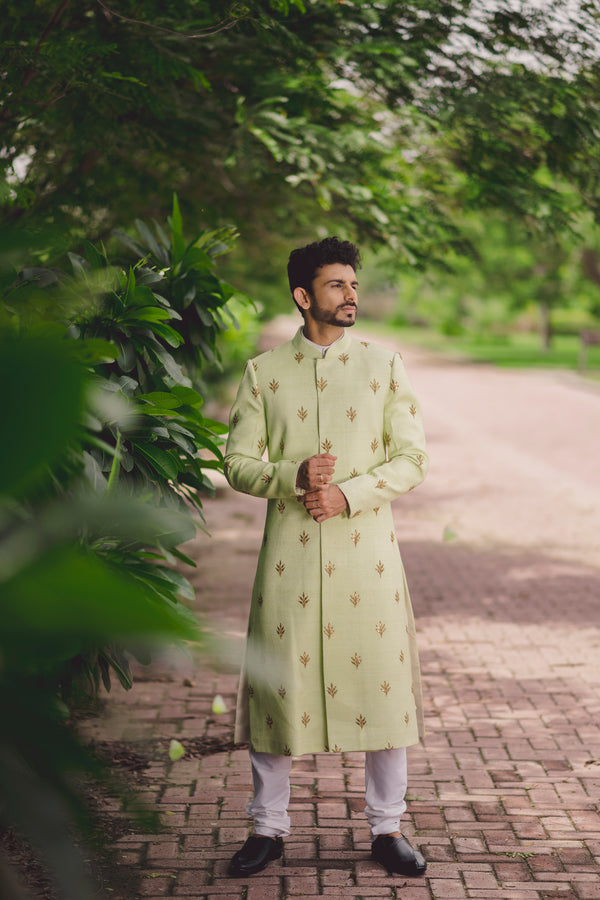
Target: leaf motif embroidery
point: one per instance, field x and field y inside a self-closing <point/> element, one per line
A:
<point x="305" y="659"/>
<point x="392" y="536"/>
<point x="412" y="410"/>
<point x="356" y="660"/>
<point x="274" y="385"/>
<point x="326" y="445"/>
<point x="420" y="459"/>
<point x="387" y="439"/>
<point x="376" y="509"/>
<point x="302" y="414"/>
<point x="328" y="630"/>
<point x="281" y="507"/>
<point x="332" y="690"/>
<point x="261" y="444"/>
<point x="361" y="721"/>
<point x="381" y="484"/>
<point x="351" y="413"/>
<point x="397" y="596"/>
<point x="255" y="391"/>
<point x="287" y="751"/>
<point x="374" y="385"/>
<point x="380" y="628"/>
<point x="303" y="600"/>
<point x="336" y="749"/>
<point x="299" y="357"/>
<point x="343" y="357"/>
<point x="279" y="568"/>
<point x="280" y="630"/>
<point x="354" y="473"/>
<point x="322" y="384"/>
<point x="386" y="688"/>
<point x="304" y="538"/>
<point x="379" y="568"/>
<point x="282" y="692"/>
<point x="281" y="445"/>
<point x="259" y="599"/>
<point x="401" y="656"/>
<point x="355" y="537"/>
<point x="406" y="718"/>
<point x="236" y="419"/>
<point x="267" y="479"/>
<point x="305" y="719"/>
<point x="255" y="366"/>
<point x="269" y="720"/>
<point x="355" y="598"/>
<point x="330" y="568"/>
<point x="374" y="444"/>
<point x="394" y="385"/>
<point x="365" y="343"/>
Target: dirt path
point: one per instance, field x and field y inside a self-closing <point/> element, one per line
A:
<point x="501" y="550"/>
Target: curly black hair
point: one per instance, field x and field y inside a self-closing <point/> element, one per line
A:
<point x="304" y="262"/>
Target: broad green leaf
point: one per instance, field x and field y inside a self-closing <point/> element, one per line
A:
<point x="162" y="399"/>
<point x="162" y="461"/>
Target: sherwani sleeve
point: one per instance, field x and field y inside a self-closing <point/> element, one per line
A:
<point x="407" y="460"/>
<point x="245" y="469"/>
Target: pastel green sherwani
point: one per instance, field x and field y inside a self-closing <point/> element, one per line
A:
<point x="331" y="660"/>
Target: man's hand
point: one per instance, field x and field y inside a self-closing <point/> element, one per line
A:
<point x="315" y="471"/>
<point x="325" y="502"/>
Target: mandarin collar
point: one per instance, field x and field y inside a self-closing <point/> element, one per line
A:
<point x="301" y="345"/>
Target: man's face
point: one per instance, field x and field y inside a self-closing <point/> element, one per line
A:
<point x="334" y="295"/>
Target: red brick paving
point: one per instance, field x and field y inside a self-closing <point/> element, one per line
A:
<point x="503" y="796"/>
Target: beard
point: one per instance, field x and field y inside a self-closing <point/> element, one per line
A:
<point x="341" y="317"/>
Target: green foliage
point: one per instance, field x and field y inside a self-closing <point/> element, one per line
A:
<point x="108" y="458"/>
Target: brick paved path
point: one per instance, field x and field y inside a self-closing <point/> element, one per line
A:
<point x="501" y="550"/>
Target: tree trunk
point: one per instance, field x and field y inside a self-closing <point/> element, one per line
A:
<point x="545" y="326"/>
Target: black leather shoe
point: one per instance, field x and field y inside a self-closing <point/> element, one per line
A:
<point x="397" y="855"/>
<point x="256" y="853"/>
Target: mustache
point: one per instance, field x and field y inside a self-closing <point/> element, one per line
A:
<point x="342" y="305"/>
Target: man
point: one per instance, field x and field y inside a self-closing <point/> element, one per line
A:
<point x="328" y="430"/>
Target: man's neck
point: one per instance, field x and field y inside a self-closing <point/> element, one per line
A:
<point x="321" y="334"/>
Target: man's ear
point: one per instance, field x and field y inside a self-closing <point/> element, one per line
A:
<point x="301" y="297"/>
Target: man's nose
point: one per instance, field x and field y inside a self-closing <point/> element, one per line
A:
<point x="350" y="293"/>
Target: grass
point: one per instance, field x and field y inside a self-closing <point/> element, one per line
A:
<point x="518" y="350"/>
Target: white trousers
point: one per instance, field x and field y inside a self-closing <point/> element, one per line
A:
<point x="385" y="789"/>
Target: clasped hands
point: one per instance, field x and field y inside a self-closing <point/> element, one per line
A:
<point x="321" y="500"/>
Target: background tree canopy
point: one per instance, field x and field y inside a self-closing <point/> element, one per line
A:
<point x="380" y="119"/>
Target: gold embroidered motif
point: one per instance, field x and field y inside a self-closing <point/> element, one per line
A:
<point x="299" y="357"/>
<point x="280" y="630"/>
<point x="259" y="599"/>
<point x="388" y="746"/>
<point x="386" y="688"/>
<point x="406" y="718"/>
<point x="236" y="419"/>
<point x="387" y="439"/>
<point x="269" y="720"/>
<point x="354" y="473"/>
<point x="330" y="568"/>
<point x="379" y="568"/>
<point x="355" y="537"/>
<point x="280" y="568"/>
<point x="376" y="509"/>
<point x="267" y="479"/>
<point x="397" y="596"/>
<point x="412" y="409"/>
<point x="304" y="538"/>
<point x="394" y="385"/>
<point x="391" y="363"/>
<point x="355" y="598"/>
<point x="343" y="357"/>
<point x="326" y="445"/>
<point x="374" y="385"/>
<point x="281" y="445"/>
<point x="281" y="507"/>
<point x="304" y="659"/>
<point x="261" y="444"/>
<point x="322" y="384"/>
<point x="302" y="414"/>
<point x="332" y="691"/>
<point x="351" y="413"/>
<point x="255" y="392"/>
<point x="392" y="536"/>
<point x="282" y="692"/>
<point x="357" y="513"/>
<point x="328" y="630"/>
<point x="356" y="660"/>
<point x="381" y="484"/>
<point x="365" y="343"/>
<point x="401" y="657"/>
<point x="255" y="366"/>
<point x="305" y="719"/>
<point x="374" y="444"/>
<point x="420" y="459"/>
<point x="274" y="385"/>
<point x="336" y="749"/>
<point x="287" y="751"/>
<point x="380" y="628"/>
<point x="303" y="600"/>
<point x="361" y="721"/>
